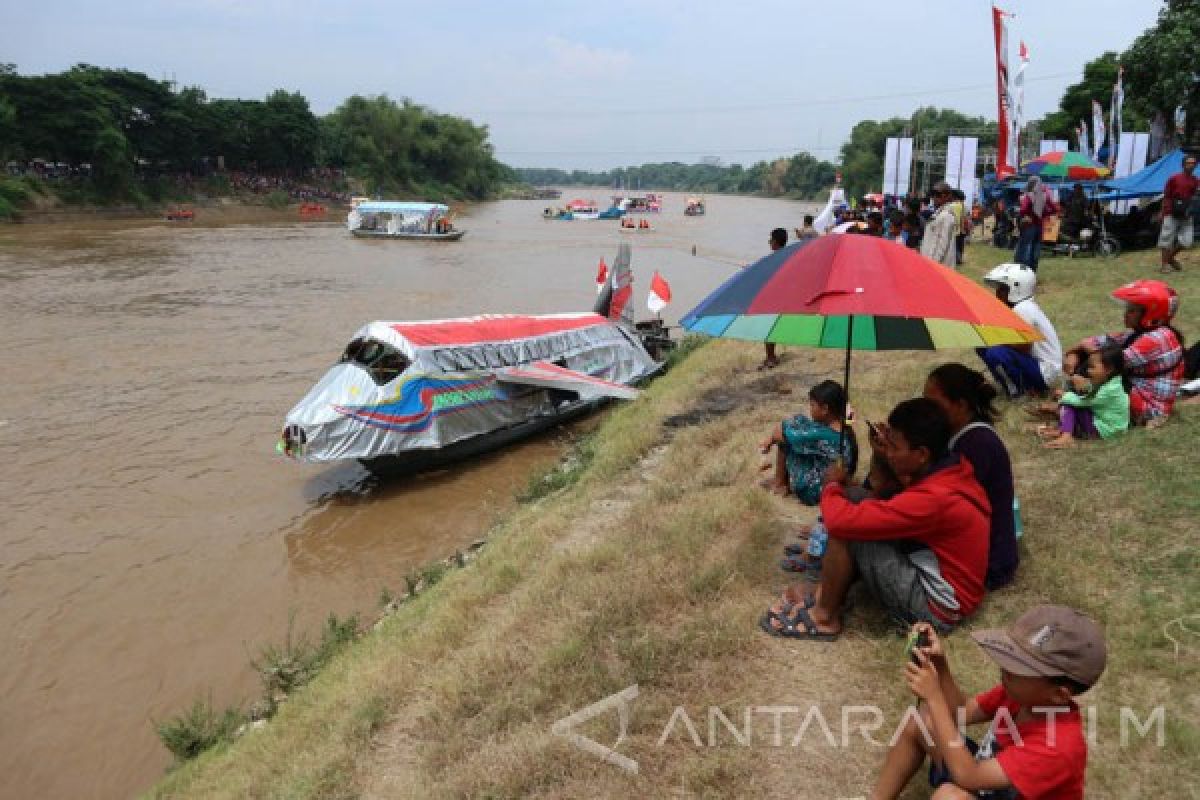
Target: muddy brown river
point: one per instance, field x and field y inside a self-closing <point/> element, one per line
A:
<point x="151" y="540"/>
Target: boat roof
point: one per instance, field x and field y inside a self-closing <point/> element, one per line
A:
<point x="395" y="207"/>
<point x="483" y="329"/>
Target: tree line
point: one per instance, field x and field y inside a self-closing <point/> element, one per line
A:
<point x="118" y="131"/>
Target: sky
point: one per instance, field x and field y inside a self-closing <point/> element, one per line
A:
<point x="596" y="85"/>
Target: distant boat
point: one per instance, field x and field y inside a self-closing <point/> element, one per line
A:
<point x="180" y="214"/>
<point x="648" y="203"/>
<point x="694" y="207"/>
<point x="394" y="220"/>
<point x="582" y="209"/>
<point x="311" y="209"/>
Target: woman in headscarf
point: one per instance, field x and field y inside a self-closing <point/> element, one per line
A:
<point x="1036" y="205"/>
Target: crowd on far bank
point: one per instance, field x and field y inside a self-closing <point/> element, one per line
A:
<point x="933" y="526"/>
<point x="316" y="184"/>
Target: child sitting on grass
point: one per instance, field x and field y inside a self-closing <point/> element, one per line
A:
<point x="1034" y="746"/>
<point x="1096" y="406"/>
<point x="805" y="554"/>
<point x="808" y="445"/>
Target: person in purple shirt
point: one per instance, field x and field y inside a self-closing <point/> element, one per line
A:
<point x="966" y="398"/>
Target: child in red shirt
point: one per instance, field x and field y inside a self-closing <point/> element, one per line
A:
<point x="1050" y="654"/>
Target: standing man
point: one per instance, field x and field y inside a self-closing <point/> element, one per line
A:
<point x="1023" y="368"/>
<point x="1177" y="231"/>
<point x="808" y="231"/>
<point x="777" y="241"/>
<point x="938" y="240"/>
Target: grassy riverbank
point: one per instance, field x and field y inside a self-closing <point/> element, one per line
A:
<point x="651" y="565"/>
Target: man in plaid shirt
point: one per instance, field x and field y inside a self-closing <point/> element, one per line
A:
<point x="1153" y="350"/>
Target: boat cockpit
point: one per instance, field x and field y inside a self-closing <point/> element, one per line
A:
<point x="382" y="362"/>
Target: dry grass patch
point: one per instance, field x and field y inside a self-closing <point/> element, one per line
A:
<point x="652" y="568"/>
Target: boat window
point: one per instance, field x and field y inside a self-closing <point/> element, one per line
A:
<point x="382" y="362"/>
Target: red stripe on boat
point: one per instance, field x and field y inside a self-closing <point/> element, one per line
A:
<point x="500" y="328"/>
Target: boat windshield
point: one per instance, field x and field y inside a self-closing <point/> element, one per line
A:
<point x="382" y="362"/>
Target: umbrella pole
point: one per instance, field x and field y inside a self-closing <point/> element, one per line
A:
<point x="846" y="386"/>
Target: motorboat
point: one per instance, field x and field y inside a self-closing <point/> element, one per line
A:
<point x="694" y="207"/>
<point x="408" y="396"/>
<point x="639" y="204"/>
<point x="385" y="219"/>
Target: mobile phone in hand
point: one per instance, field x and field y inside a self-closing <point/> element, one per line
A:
<point x="916" y="639"/>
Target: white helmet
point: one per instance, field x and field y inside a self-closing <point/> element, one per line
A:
<point x="1020" y="280"/>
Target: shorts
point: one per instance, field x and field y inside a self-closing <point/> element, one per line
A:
<point x="893" y="578"/>
<point x="939" y="775"/>
<point x="1175" y="231"/>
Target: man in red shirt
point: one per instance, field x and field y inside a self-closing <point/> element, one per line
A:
<point x="1035" y="746"/>
<point x="922" y="553"/>
<point x="1176" y="233"/>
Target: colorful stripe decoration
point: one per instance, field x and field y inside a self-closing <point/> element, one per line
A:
<point x="1065" y="165"/>
<point x="805" y="294"/>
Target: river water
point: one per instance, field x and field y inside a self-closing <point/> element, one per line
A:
<point x="151" y="540"/>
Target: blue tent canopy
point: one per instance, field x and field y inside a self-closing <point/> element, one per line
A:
<point x="393" y="207"/>
<point x="1145" y="182"/>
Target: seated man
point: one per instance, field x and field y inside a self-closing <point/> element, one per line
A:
<point x="1023" y="368"/>
<point x="922" y="553"/>
<point x="1035" y="746"/>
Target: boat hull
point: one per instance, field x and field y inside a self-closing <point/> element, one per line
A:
<point x="452" y="236"/>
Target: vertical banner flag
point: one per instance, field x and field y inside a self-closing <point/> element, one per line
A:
<point x="897" y="166"/>
<point x="1118" y="100"/>
<point x="1018" y="116"/>
<point x="961" y="152"/>
<point x="1004" y="162"/>
<point x="1158" y="136"/>
<point x="1098" y="129"/>
<point x="660" y="294"/>
<point x="1131" y="156"/>
<point x="1084" y="145"/>
<point x="601" y="276"/>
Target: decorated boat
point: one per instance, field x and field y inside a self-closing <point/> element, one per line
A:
<point x="402" y="220"/>
<point x="694" y="207"/>
<point x="581" y="209"/>
<point x="180" y="214"/>
<point x="649" y="203"/>
<point x="412" y="395"/>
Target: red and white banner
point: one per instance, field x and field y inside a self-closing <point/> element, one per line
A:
<point x="601" y="276"/>
<point x="660" y="294"/>
<point x="1004" y="148"/>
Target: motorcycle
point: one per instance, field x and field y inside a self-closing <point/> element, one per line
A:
<point x="1093" y="240"/>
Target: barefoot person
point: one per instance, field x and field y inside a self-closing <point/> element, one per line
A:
<point x="1035" y="747"/>
<point x="1152" y="349"/>
<point x="1096" y="406"/>
<point x="805" y="446"/>
<point x="922" y="553"/>
<point x="777" y="241"/>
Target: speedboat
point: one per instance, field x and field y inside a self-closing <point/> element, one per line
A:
<point x="694" y="207"/>
<point x="382" y="219"/>
<point x="407" y="396"/>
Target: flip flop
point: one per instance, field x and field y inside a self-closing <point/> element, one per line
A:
<point x="799" y="626"/>
<point x="795" y="564"/>
<point x="796" y="548"/>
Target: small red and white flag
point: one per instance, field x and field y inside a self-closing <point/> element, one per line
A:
<point x="601" y="276"/>
<point x="660" y="294"/>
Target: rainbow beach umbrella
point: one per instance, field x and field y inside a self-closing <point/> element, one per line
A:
<point x="1065" y="165"/>
<point x="856" y="293"/>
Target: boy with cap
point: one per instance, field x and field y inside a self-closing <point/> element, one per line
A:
<point x="1034" y="746"/>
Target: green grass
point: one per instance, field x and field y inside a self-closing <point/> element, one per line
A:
<point x="653" y="562"/>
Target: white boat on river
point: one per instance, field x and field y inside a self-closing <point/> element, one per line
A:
<point x="402" y="220"/>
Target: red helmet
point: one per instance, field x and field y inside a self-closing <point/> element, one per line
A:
<point x="1158" y="301"/>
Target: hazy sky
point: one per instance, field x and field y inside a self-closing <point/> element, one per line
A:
<point x="598" y="84"/>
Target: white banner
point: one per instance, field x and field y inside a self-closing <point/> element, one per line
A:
<point x="1052" y="146"/>
<point x="961" y="152"/>
<point x="897" y="166"/>
<point x="1098" y="130"/>
<point x="1131" y="157"/>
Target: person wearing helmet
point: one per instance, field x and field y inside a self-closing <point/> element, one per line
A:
<point x="1153" y="350"/>
<point x="1023" y="368"/>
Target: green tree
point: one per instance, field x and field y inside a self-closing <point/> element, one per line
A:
<point x="1099" y="77"/>
<point x="1161" y="63"/>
